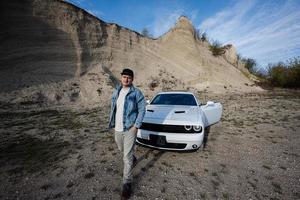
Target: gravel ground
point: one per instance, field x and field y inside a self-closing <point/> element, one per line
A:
<point x="253" y="153"/>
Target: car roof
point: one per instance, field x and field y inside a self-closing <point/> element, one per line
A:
<point x="176" y="92"/>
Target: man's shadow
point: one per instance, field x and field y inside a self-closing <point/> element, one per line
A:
<point x="156" y="156"/>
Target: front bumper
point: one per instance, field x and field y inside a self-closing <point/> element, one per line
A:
<point x="170" y="141"/>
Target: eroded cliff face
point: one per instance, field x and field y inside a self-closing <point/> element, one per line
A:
<point x="32" y="51"/>
<point x="60" y="50"/>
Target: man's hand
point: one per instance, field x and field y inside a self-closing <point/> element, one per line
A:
<point x="133" y="129"/>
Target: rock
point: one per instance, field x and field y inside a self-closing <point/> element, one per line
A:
<point x="230" y="54"/>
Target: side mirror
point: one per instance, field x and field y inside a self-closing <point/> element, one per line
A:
<point x="147" y="101"/>
<point x="210" y="103"/>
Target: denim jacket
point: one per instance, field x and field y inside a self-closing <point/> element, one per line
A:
<point x="134" y="108"/>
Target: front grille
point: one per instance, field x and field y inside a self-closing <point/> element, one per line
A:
<point x="166" y="128"/>
<point x="154" y="143"/>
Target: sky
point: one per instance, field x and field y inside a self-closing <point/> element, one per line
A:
<point x="265" y="30"/>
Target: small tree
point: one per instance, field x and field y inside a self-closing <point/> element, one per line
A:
<point x="250" y="64"/>
<point x="278" y="75"/>
<point x="294" y="64"/>
<point x="146" y="33"/>
<point x="204" y="37"/>
<point x="285" y="74"/>
<point x="199" y="35"/>
<point x="216" y="48"/>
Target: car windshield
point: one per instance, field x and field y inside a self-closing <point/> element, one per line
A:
<point x="175" y="99"/>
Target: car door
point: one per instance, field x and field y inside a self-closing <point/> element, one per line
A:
<point x="212" y="113"/>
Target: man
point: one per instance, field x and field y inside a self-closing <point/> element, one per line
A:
<point x="127" y="112"/>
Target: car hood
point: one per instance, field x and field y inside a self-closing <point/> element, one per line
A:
<point x="170" y="114"/>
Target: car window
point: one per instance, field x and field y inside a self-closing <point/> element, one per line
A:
<point x="174" y="99"/>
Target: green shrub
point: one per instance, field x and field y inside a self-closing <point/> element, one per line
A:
<point x="199" y="35"/>
<point x="145" y="32"/>
<point x="285" y="74"/>
<point x="216" y="48"/>
<point x="204" y="37"/>
<point x="250" y="64"/>
<point x="277" y="74"/>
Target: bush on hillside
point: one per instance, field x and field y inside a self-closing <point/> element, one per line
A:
<point x="250" y="64"/>
<point x="204" y="37"/>
<point x="146" y="33"/>
<point x="216" y="48"/>
<point x="199" y="35"/>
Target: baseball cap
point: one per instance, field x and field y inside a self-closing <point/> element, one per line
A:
<point x="128" y="72"/>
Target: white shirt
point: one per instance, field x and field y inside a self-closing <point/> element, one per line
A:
<point x="120" y="109"/>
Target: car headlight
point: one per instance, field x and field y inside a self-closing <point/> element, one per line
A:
<point x="197" y="128"/>
<point x="188" y="127"/>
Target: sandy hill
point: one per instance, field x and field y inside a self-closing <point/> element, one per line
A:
<point x="52" y="51"/>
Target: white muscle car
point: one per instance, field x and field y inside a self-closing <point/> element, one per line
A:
<point x="177" y="121"/>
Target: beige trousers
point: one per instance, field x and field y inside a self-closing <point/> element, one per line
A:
<point x="125" y="142"/>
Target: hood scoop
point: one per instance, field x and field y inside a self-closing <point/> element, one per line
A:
<point x="179" y="111"/>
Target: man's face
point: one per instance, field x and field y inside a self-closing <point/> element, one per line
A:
<point x="126" y="80"/>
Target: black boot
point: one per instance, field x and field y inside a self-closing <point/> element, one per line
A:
<point x="126" y="191"/>
<point x="134" y="161"/>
